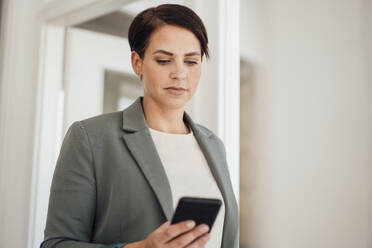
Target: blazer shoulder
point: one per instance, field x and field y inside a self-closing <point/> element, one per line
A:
<point x="103" y="122"/>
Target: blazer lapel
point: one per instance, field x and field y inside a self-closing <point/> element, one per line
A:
<point x="139" y="141"/>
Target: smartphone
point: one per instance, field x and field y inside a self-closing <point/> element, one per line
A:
<point x="200" y="210"/>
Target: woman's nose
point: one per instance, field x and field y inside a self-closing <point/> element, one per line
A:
<point x="179" y="71"/>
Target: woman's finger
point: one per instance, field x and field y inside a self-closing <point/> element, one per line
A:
<point x="200" y="242"/>
<point x="167" y="233"/>
<point x="189" y="237"/>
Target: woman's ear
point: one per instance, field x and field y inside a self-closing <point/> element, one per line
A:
<point x="136" y="63"/>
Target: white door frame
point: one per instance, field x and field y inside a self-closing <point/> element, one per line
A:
<point x="52" y="18"/>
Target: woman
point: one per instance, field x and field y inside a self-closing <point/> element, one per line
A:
<point x="119" y="176"/>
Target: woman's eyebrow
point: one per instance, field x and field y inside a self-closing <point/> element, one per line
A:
<point x="171" y="54"/>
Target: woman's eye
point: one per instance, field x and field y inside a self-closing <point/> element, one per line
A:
<point x="162" y="62"/>
<point x="191" y="62"/>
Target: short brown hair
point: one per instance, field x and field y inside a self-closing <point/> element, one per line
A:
<point x="146" y="22"/>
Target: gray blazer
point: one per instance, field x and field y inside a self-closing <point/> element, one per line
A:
<point x="109" y="186"/>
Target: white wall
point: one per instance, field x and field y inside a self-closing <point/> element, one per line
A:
<point x="311" y="124"/>
<point x="88" y="55"/>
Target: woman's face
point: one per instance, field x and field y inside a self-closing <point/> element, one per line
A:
<point x="171" y="66"/>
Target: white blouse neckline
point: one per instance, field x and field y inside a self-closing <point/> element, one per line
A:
<point x="173" y="134"/>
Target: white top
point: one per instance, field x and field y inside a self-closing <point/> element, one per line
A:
<point x="189" y="174"/>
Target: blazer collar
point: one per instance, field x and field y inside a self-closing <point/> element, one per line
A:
<point x="134" y="119"/>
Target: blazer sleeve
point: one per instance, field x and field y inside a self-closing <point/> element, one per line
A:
<point x="72" y="201"/>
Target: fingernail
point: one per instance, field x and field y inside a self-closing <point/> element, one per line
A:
<point x="204" y="228"/>
<point x="190" y="223"/>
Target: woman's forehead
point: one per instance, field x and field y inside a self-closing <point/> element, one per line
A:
<point x="173" y="39"/>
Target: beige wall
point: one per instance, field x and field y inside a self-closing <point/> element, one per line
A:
<point x="1" y="14"/>
<point x="306" y="124"/>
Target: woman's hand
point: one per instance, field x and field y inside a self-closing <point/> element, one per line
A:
<point x="180" y="235"/>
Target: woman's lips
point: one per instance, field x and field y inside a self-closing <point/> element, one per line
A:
<point x="176" y="91"/>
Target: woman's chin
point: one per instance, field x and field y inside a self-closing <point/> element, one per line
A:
<point x="175" y="102"/>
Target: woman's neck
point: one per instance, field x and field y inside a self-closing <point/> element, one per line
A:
<point x="164" y="120"/>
